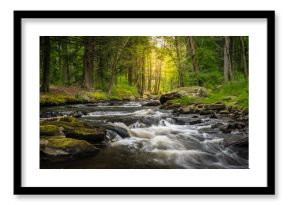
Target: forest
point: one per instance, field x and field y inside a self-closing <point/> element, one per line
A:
<point x="101" y="94"/>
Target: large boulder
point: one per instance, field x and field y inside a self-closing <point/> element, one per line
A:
<point x="92" y="135"/>
<point x="169" y="96"/>
<point x="60" y="147"/>
<point x="194" y="91"/>
<point x="74" y="128"/>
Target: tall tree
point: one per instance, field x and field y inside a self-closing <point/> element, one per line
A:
<point x="243" y="53"/>
<point x="149" y="74"/>
<point x="89" y="43"/>
<point x="178" y="63"/>
<point x="65" y="61"/>
<point x="122" y="44"/>
<point x="195" y="65"/>
<point x="46" y="63"/>
<point x="227" y="60"/>
<point x="142" y="88"/>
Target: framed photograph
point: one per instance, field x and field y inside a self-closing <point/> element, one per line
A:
<point x="144" y="102"/>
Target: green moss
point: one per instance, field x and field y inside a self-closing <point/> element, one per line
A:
<point x="59" y="145"/>
<point x="63" y="142"/>
<point x="67" y="123"/>
<point x="53" y="100"/>
<point x="231" y="94"/>
<point x="49" y="130"/>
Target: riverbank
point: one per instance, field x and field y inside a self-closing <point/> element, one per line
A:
<point x="60" y="95"/>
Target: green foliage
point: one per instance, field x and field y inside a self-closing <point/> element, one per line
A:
<point x="231" y="94"/>
<point x="152" y="64"/>
<point x="124" y="92"/>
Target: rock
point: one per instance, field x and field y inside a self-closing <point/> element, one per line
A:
<point x="188" y="109"/>
<point x="59" y="146"/>
<point x="92" y="135"/>
<point x="132" y="98"/>
<point x="49" y="130"/>
<point x="216" y="125"/>
<point x="205" y="112"/>
<point x="195" y="91"/>
<point x="76" y="129"/>
<point x="226" y="128"/>
<point x="78" y="114"/>
<point x="168" y="106"/>
<point x="169" y="96"/>
<point x="185" y="110"/>
<point x="216" y="106"/>
<point x="224" y="112"/>
<point x="213" y="115"/>
<point x="119" y="130"/>
<point x="186" y="121"/>
<point x="152" y="103"/>
<point x="243" y="142"/>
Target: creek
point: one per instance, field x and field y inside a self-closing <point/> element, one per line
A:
<point x="159" y="139"/>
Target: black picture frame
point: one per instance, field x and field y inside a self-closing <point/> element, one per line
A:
<point x="268" y="190"/>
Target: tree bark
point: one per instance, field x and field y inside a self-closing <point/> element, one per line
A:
<point x="244" y="58"/>
<point x="193" y="58"/>
<point x="130" y="71"/>
<point x="227" y="59"/>
<point x="46" y="64"/>
<point x="178" y="63"/>
<point x="149" y="75"/>
<point x="89" y="43"/>
<point x="142" y="74"/>
<point x="65" y="63"/>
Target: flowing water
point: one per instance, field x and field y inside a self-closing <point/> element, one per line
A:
<point x="158" y="139"/>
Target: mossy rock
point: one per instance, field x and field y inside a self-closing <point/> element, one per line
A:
<point x="76" y="129"/>
<point x="194" y="91"/>
<point x="59" y="146"/>
<point x="92" y="135"/>
<point x="67" y="123"/>
<point x="49" y="130"/>
<point x="53" y="100"/>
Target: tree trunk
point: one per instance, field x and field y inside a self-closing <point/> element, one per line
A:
<point x="227" y="60"/>
<point x="193" y="55"/>
<point x="244" y="58"/>
<point x="114" y="65"/>
<point x="159" y="76"/>
<point x="156" y="78"/>
<point x="46" y="64"/>
<point x="149" y="75"/>
<point x="193" y="58"/>
<point x="65" y="63"/>
<point x="178" y="63"/>
<point x="130" y="71"/>
<point x="142" y="74"/>
<point x="89" y="43"/>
